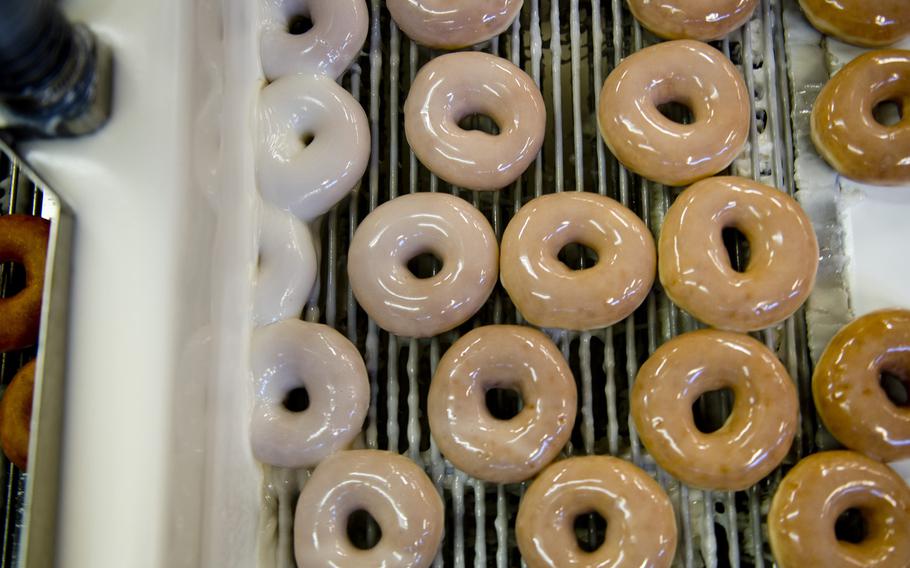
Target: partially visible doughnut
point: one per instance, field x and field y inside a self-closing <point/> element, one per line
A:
<point x="879" y="23"/>
<point x="16" y="415"/>
<point x="444" y="24"/>
<point x="704" y="20"/>
<point x="23" y="240"/>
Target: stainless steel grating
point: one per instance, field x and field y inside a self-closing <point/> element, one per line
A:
<point x="568" y="47"/>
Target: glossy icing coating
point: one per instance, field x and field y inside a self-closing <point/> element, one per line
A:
<point x="844" y="129"/>
<point x="328" y="48"/>
<point x="287" y="266"/>
<point x="847" y="391"/>
<point x="695" y="267"/>
<point x="23" y="240"/>
<point x="860" y="22"/>
<point x="443" y="24"/>
<point x="641" y="525"/>
<point x="705" y="20"/>
<point x="468" y="435"/>
<point x="550" y="294"/>
<point x="406" y="227"/>
<point x="391" y="488"/>
<point x="16" y="415"/>
<point x="292" y="354"/>
<point x="756" y="436"/>
<point x="309" y="179"/>
<point x="817" y="491"/>
<point x="650" y="144"/>
<point x="457" y="85"/>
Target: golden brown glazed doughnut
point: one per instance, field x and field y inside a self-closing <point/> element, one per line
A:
<point x="695" y="267"/>
<point x="844" y="129"/>
<point x="650" y="144"/>
<point x="876" y="23"/>
<point x="847" y="390"/>
<point x="641" y="524"/>
<point x="550" y="294"/>
<point x="705" y="20"/>
<point x="16" y="415"/>
<point x="444" y="24"/>
<point x="762" y="422"/>
<point x="468" y="435"/>
<point x="817" y="491"/>
<point x="23" y="240"/>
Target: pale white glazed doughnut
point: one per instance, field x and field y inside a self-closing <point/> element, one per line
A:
<point x="291" y="354"/>
<point x="392" y="489"/>
<point x="339" y="30"/>
<point x="444" y="24"/>
<point x="310" y="179"/>
<point x="287" y="266"/>
<point x="404" y="228"/>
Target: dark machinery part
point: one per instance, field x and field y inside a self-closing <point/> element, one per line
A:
<point x="55" y="76"/>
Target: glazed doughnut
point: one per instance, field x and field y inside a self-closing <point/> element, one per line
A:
<point x="847" y="390"/>
<point x="641" y="525"/>
<point x="391" y="488"/>
<point x="23" y="240"/>
<point x="805" y="508"/>
<point x="550" y="294"/>
<point x="468" y="435"/>
<point x="442" y="24"/>
<point x="16" y="415"/>
<point x="762" y="422"/>
<point x="867" y="24"/>
<point x="457" y="85"/>
<point x="844" y="129"/>
<point x="328" y="48"/>
<point x="309" y="178"/>
<point x="695" y="268"/>
<point x="294" y="354"/>
<point x="650" y="144"/>
<point x="287" y="266"/>
<point x="692" y="19"/>
<point x="406" y="227"/>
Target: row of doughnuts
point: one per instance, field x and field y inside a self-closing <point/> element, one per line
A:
<point x="694" y="266"/>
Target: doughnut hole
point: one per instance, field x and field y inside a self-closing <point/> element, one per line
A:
<point x="676" y="111"/>
<point x="896" y="386"/>
<point x="590" y="530"/>
<point x="481" y="122"/>
<point x="712" y="409"/>
<point x="577" y="256"/>
<point x="363" y="530"/>
<point x="504" y="403"/>
<point x="425" y="265"/>
<point x="299" y="24"/>
<point x="297" y="400"/>
<point x="888" y="112"/>
<point x="307" y="138"/>
<point x="737" y="245"/>
<point x="12" y="275"/>
<point x="851" y="526"/>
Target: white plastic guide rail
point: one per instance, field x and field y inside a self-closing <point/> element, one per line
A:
<point x="568" y="53"/>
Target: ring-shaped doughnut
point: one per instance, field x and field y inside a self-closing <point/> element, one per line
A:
<point x="695" y="267"/>
<point x="704" y="20"/>
<point x="16" y="415"/>
<point x="867" y="24"/>
<point x="641" y="523"/>
<point x="23" y="240"/>
<point x="550" y="294"/>
<point x="821" y="487"/>
<point x="457" y="85"/>
<point x="287" y="266"/>
<point x="756" y="436"/>
<point x="688" y="72"/>
<point x="328" y="48"/>
<point x="845" y="130"/>
<point x="404" y="228"/>
<point x="391" y="488"/>
<point x="314" y="144"/>
<point x="294" y="354"/>
<point x="506" y="357"/>
<point x="846" y="385"/>
<point x="442" y="24"/>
